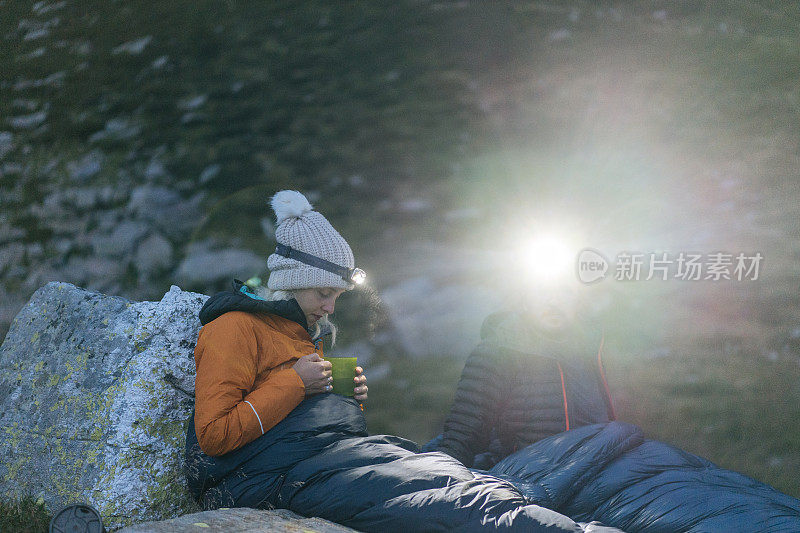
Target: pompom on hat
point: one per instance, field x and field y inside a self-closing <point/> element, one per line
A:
<point x="305" y="230"/>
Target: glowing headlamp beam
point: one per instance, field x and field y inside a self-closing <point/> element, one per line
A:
<point x="548" y="258"/>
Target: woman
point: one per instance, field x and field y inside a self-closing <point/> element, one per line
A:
<point x="258" y="356"/>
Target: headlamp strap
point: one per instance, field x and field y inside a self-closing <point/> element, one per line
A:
<point x="313" y="260"/>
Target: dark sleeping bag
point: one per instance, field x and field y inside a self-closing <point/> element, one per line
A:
<point x="651" y="487"/>
<point x="319" y="461"/>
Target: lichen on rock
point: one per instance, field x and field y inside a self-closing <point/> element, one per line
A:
<point x="95" y="393"/>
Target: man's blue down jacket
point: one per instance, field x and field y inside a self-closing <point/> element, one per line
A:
<point x="319" y="461"/>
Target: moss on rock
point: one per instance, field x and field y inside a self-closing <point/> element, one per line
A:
<point x="89" y="415"/>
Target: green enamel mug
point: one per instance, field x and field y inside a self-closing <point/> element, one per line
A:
<point x="343" y="370"/>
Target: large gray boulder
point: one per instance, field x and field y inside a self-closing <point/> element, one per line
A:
<point x="95" y="393"/>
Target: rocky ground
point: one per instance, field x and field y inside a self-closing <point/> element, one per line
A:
<point x="239" y="519"/>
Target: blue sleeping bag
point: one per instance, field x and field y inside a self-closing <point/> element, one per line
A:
<point x="649" y="487"/>
<point x="319" y="461"/>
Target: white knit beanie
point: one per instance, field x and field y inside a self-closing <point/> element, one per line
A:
<point x="302" y="228"/>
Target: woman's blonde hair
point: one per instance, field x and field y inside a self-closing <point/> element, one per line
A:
<point x="275" y="296"/>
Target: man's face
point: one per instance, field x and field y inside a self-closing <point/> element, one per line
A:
<point x="554" y="308"/>
<point x="317" y="302"/>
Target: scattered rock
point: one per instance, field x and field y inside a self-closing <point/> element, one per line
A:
<point x="26" y="104"/>
<point x="433" y="318"/>
<point x="29" y="121"/>
<point x="240" y="519"/>
<point x="62" y="246"/>
<point x="209" y="173"/>
<point x="447" y="293"/>
<point x="36" y="29"/>
<point x="155" y="169"/>
<point x="147" y="198"/>
<point x="559" y="35"/>
<point x="414" y="205"/>
<point x="38" y="52"/>
<point x="11" y="254"/>
<point x="86" y="167"/>
<point x="166" y="210"/>
<point x="10" y="304"/>
<point x="117" y="129"/>
<point x="12" y="168"/>
<point x="53" y="80"/>
<point x="574" y="15"/>
<point x="204" y="265"/>
<point x="82" y="198"/>
<point x="122" y="240"/>
<point x="85" y="271"/>
<point x="195" y="102"/>
<point x="106" y="220"/>
<point x="775" y="461"/>
<point x="134" y="47"/>
<point x="6" y="142"/>
<point x="34" y="251"/>
<point x="153" y="254"/>
<point x="36" y="34"/>
<point x="9" y="233"/>
<point x="159" y="62"/>
<point x="83" y="48"/>
<point x="95" y="392"/>
<point x="660" y="15"/>
<point x="192" y="117"/>
<point x="40" y="8"/>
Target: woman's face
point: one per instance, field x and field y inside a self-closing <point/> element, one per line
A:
<point x="316" y="302"/>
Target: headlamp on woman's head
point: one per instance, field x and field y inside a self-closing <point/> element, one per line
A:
<point x="350" y="275"/>
<point x="358" y="276"/>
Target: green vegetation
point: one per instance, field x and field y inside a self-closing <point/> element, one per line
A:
<point x="738" y="409"/>
<point x="24" y="514"/>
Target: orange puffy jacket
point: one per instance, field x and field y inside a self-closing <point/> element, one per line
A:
<point x="245" y="383"/>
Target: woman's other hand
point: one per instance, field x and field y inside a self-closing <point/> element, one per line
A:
<point x="315" y="373"/>
<point x="360" y="385"/>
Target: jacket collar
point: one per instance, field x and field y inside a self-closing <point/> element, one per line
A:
<point x="241" y="299"/>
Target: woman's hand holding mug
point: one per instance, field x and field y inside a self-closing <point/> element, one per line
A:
<point x="315" y="373"/>
<point x="360" y="385"/>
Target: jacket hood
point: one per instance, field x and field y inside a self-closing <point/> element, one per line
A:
<point x="518" y="331"/>
<point x="241" y="299"/>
